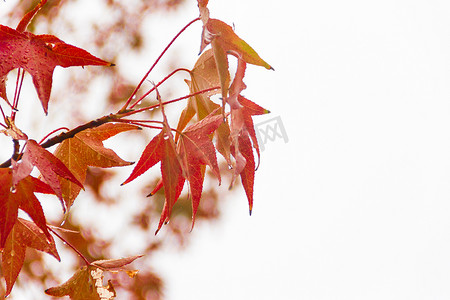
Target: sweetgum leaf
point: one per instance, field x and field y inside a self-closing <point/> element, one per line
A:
<point x="194" y="151"/>
<point x="86" y="149"/>
<point x="39" y="55"/>
<point x="22" y="196"/>
<point x="24" y="234"/>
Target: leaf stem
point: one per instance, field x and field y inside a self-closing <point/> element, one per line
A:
<point x="141" y="123"/>
<point x="129" y="113"/>
<point x="70" y="245"/>
<point x="19" y="81"/>
<point x="155" y="63"/>
<point x="157" y="85"/>
<point x="4" y="118"/>
<point x="56" y="130"/>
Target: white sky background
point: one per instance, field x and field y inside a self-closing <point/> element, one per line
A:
<point x="357" y="204"/>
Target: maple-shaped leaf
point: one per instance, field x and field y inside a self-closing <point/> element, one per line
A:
<point x="86" y="149"/>
<point x="50" y="166"/>
<point x="195" y="150"/>
<point x="24" y="234"/>
<point x="39" y="55"/>
<point x="20" y="197"/>
<point x="162" y="149"/>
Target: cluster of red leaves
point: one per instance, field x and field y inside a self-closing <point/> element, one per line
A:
<point x="182" y="157"/>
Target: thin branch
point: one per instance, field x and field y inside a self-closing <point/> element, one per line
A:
<point x="70" y="134"/>
<point x="154" y="64"/>
<point x="16" y="154"/>
<point x="100" y="121"/>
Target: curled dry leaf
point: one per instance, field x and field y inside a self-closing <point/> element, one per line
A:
<point x="115" y="263"/>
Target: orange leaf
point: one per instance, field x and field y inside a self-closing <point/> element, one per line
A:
<point x="224" y="35"/>
<point x="86" y="149"/>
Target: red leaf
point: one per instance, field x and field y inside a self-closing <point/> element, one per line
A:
<point x="197" y="150"/>
<point x="50" y="166"/>
<point x="247" y="172"/>
<point x="24" y="234"/>
<point x="21" y="197"/>
<point x="29" y="16"/>
<point x="173" y="180"/>
<point x="38" y="55"/>
<point x="162" y="149"/>
<point x="152" y="154"/>
<point x="250" y="109"/>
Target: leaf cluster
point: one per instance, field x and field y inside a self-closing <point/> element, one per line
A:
<point x="204" y="130"/>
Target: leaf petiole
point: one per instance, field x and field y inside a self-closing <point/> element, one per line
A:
<point x="157" y="85"/>
<point x="19" y="81"/>
<point x="56" y="130"/>
<point x="70" y="245"/>
<point x="155" y="63"/>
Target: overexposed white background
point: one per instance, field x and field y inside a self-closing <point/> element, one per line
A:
<point x="357" y="204"/>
